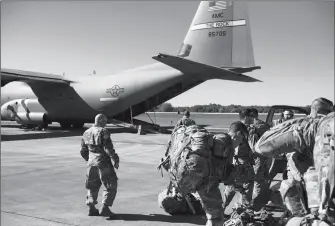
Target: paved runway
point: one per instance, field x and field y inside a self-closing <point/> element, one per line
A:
<point x="42" y="181"/>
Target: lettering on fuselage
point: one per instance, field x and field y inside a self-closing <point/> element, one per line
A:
<point x="218" y="24"/>
<point x="217" y="15"/>
<point x="115" y="90"/>
<point x="216" y="33"/>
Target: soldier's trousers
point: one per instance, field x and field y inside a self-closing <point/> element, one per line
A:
<point x="296" y="169"/>
<point x="211" y="200"/>
<point x="244" y="183"/>
<point x="101" y="175"/>
<point x="278" y="166"/>
<point x="260" y="190"/>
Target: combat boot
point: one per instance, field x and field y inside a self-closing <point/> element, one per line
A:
<point x="225" y="217"/>
<point x="93" y="211"/>
<point x="106" y="212"/>
<point x="214" y="222"/>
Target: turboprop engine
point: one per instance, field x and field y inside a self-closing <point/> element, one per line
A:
<point x="25" y="112"/>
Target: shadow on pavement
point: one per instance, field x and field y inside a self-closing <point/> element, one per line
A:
<point x="52" y="132"/>
<point x="197" y="219"/>
<point x="55" y="131"/>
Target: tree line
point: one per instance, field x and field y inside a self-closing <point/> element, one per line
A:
<point x="214" y="108"/>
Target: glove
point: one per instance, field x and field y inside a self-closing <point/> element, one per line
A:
<point x="84" y="154"/>
<point x="116" y="161"/>
<point x="252" y="129"/>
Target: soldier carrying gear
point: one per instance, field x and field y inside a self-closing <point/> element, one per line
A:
<point x="279" y="164"/>
<point x="320" y="178"/>
<point x="300" y="136"/>
<point x="243" y="166"/>
<point x="97" y="149"/>
<point x="256" y="130"/>
<point x="198" y="161"/>
<point x="211" y="197"/>
<point x="185" y="120"/>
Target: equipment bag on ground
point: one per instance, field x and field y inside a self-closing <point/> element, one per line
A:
<point x="174" y="203"/>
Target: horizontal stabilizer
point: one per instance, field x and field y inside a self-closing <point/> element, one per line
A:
<point x="206" y="71"/>
<point x="10" y="75"/>
<point x="243" y="69"/>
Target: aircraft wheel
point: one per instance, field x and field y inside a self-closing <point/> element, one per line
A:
<point x="78" y="125"/>
<point x="45" y="125"/>
<point x="65" y="125"/>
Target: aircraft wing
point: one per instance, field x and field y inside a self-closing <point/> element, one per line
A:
<point x="10" y="75"/>
<point x="204" y="70"/>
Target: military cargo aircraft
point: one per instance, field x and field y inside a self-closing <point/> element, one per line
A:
<point x="217" y="46"/>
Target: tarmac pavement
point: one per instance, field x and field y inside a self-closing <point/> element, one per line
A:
<point x="42" y="181"/>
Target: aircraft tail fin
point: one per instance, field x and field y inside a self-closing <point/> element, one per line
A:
<point x="220" y="35"/>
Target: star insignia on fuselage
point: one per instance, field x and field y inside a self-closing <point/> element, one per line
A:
<point x="115" y="90"/>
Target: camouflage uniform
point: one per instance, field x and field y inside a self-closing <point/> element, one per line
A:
<point x="209" y="192"/>
<point x="278" y="164"/>
<point x="299" y="162"/>
<point x="97" y="148"/>
<point x="296" y="137"/>
<point x="185" y="121"/>
<point x="211" y="201"/>
<point x="324" y="158"/>
<point x="198" y="162"/>
<point x="260" y="167"/>
<point x="324" y="195"/>
<point x="243" y="175"/>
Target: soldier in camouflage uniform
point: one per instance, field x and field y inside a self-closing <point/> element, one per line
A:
<point x="297" y="162"/>
<point x="97" y="148"/>
<point x="280" y="164"/>
<point x="324" y="162"/>
<point x="185" y="120"/>
<point x="299" y="141"/>
<point x="256" y="130"/>
<point x="199" y="168"/>
<point x="243" y="170"/>
<point x="210" y="197"/>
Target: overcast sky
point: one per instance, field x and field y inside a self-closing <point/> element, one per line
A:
<point x="293" y="43"/>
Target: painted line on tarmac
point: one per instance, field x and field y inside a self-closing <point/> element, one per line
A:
<point x="40" y="218"/>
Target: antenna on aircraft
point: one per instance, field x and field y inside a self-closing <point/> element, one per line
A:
<point x="93" y="73"/>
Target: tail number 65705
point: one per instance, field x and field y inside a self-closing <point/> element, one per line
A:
<point x="216" y="33"/>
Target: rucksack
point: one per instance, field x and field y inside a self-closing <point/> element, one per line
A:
<point x="316" y="138"/>
<point x="172" y="202"/>
<point x="308" y="220"/>
<point x="292" y="135"/>
<point x="324" y="157"/>
<point x="243" y="216"/>
<point x="195" y="155"/>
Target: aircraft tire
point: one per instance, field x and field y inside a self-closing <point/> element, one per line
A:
<point x="45" y="125"/>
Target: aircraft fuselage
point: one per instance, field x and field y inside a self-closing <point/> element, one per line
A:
<point x="112" y="95"/>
